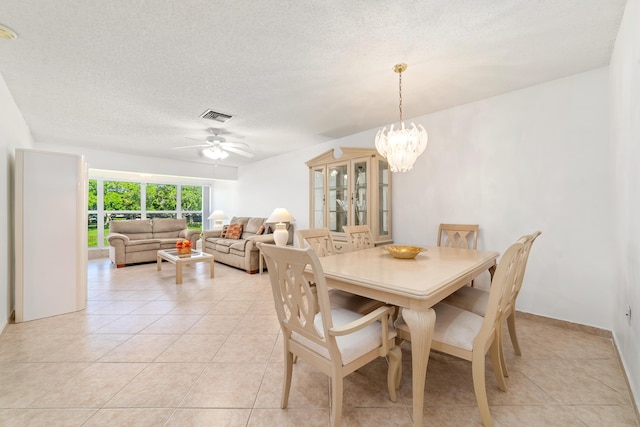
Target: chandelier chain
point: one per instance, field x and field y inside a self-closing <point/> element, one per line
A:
<point x="400" y="93"/>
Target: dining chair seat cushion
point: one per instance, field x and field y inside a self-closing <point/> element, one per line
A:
<point x="454" y="326"/>
<point x="471" y="299"/>
<point x="352" y="345"/>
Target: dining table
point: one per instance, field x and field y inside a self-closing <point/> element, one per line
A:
<point x="415" y="284"/>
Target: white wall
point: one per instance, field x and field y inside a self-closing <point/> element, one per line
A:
<point x="14" y="133"/>
<point x="534" y="159"/>
<point x="625" y="108"/>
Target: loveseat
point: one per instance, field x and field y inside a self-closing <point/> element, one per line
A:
<point x="240" y="252"/>
<point x="138" y="240"/>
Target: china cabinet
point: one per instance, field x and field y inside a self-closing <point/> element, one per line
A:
<point x="352" y="189"/>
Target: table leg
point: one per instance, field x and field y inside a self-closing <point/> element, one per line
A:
<point x="421" y="325"/>
<point x="211" y="268"/>
<point x="159" y="263"/>
<point x="178" y="273"/>
<point x="492" y="271"/>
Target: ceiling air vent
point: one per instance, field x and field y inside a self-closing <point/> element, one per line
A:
<point x="218" y="117"/>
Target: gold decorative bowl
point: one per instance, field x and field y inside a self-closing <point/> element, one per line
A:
<point x="404" y="252"/>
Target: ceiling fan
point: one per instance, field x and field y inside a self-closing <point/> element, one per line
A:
<point x="217" y="148"/>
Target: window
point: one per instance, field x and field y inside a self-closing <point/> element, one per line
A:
<point x="92" y="221"/>
<point x="119" y="200"/>
<point x="161" y="197"/>
<point x="191" y="204"/>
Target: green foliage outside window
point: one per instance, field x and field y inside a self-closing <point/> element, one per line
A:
<point x="93" y="194"/>
<point x="161" y="197"/>
<point x="121" y="196"/>
<point x="191" y="198"/>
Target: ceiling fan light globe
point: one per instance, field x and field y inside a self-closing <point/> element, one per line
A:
<point x="215" y="153"/>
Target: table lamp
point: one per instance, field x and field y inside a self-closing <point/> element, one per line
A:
<point x="280" y="216"/>
<point x="217" y="216"/>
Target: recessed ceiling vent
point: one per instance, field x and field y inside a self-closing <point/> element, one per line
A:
<point x="214" y="115"/>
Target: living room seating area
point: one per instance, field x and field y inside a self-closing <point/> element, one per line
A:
<point x="235" y="245"/>
<point x="135" y="241"/>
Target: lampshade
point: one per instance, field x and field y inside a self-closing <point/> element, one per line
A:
<point x="280" y="215"/>
<point x="218" y="215"/>
<point x="280" y="234"/>
<point x="401" y="146"/>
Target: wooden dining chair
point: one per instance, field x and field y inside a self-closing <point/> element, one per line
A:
<point x="321" y="241"/>
<point x="359" y="237"/>
<point x="335" y="340"/>
<point x="475" y="300"/>
<point x="469" y="336"/>
<point x="463" y="236"/>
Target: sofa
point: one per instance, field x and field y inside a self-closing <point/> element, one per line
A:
<point x="241" y="252"/>
<point x="138" y="240"/>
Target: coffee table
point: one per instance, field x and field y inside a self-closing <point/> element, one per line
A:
<point x="173" y="257"/>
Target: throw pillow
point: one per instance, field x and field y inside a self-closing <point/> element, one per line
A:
<point x="223" y="233"/>
<point x="260" y="230"/>
<point x="234" y="232"/>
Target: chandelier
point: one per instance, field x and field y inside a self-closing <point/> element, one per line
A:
<point x="401" y="146"/>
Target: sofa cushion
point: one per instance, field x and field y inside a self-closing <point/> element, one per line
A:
<point x="142" y="245"/>
<point x="260" y="230"/>
<point x="236" y="252"/>
<point x="135" y="229"/>
<point x="224" y="230"/>
<point x="225" y="242"/>
<point x="253" y="225"/>
<point x="169" y="243"/>
<point x="234" y="231"/>
<point x="168" y="227"/>
<point x="222" y="248"/>
<point x="239" y="246"/>
<point x="239" y="220"/>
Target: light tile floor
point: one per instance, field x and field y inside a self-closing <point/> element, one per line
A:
<point x="147" y="352"/>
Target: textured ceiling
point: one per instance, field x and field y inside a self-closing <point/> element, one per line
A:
<point x="134" y="76"/>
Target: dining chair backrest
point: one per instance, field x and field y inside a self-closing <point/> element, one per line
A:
<point x="527" y="241"/>
<point x="295" y="302"/>
<point x="462" y="236"/>
<point x="359" y="237"/>
<point x="319" y="239"/>
<point x="503" y="282"/>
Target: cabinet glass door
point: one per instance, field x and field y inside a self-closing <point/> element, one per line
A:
<point x="338" y="197"/>
<point x="318" y="198"/>
<point x="384" y="198"/>
<point x="359" y="195"/>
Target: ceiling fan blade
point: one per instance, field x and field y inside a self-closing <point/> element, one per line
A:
<point x="235" y="144"/>
<point x="197" y="139"/>
<point x="191" y="146"/>
<point x="237" y="151"/>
